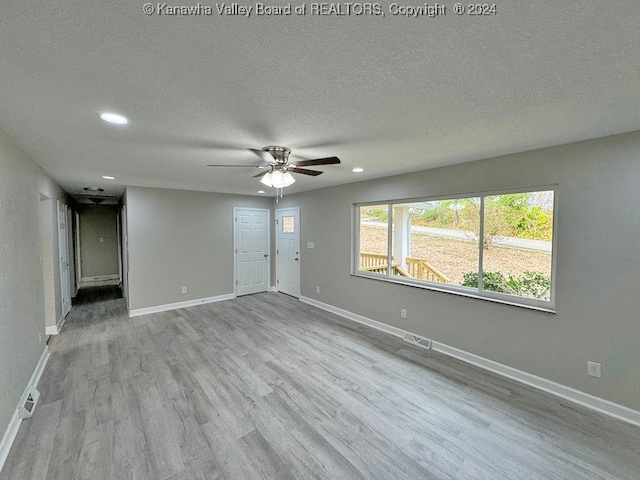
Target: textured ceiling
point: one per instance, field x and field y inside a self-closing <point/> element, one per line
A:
<point x="390" y="94"/>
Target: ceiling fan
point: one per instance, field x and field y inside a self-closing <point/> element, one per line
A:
<point x="279" y="169"/>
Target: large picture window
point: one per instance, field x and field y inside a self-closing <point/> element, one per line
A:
<point x="498" y="246"/>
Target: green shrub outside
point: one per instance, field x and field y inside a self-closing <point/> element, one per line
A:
<point x="529" y="284"/>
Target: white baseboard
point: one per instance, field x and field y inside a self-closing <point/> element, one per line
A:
<point x="55" y="329"/>
<point x="355" y="317"/>
<point x="14" y="424"/>
<point x="174" y="306"/>
<point x="100" y="278"/>
<point x="101" y="281"/>
<point x="576" y="396"/>
<point x="273" y="288"/>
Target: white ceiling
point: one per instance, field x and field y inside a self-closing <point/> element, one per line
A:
<point x="389" y="94"/>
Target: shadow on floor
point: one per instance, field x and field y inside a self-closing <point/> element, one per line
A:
<point x="97" y="294"/>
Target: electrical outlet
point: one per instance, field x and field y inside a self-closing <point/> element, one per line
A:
<point x="403" y="313"/>
<point x="40" y="338"/>
<point x="317" y="288"/>
<point x="594" y="369"/>
<point x="184" y="289"/>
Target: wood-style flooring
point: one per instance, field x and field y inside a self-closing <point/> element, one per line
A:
<point x="267" y="387"/>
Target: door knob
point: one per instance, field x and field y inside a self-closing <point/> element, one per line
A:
<point x="296" y="259"/>
<point x="266" y="255"/>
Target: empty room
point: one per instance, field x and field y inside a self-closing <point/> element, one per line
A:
<point x="319" y="240"/>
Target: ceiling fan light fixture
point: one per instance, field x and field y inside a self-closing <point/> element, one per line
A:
<point x="288" y="179"/>
<point x="266" y="179"/>
<point x="277" y="179"/>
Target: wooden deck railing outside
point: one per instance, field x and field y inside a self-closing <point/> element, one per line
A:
<point x="417" y="267"/>
<point x="420" y="268"/>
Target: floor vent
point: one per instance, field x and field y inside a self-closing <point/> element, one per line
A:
<point x="421" y="341"/>
<point x="29" y="402"/>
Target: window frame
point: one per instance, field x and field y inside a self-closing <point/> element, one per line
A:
<point x="479" y="293"/>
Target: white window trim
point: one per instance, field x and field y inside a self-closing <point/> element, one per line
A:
<point x="502" y="298"/>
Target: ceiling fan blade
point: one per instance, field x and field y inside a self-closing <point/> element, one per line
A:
<point x="259" y="175"/>
<point x="266" y="156"/>
<point x="313" y="173"/>
<point x="318" y="161"/>
<point x="249" y="166"/>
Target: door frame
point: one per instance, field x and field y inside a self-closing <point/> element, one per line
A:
<point x="280" y="212"/>
<point x="235" y="245"/>
<point x="78" y="265"/>
<point x="48" y="230"/>
<point x="124" y="264"/>
<point x="101" y="280"/>
<point x="63" y="260"/>
<point x="72" y="252"/>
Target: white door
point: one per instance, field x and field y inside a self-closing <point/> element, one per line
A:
<point x="288" y="250"/>
<point x="65" y="264"/>
<point x="252" y="250"/>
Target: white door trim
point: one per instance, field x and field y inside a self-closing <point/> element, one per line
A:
<point x="235" y="245"/>
<point x="125" y="256"/>
<point x="279" y="213"/>
<point x="77" y="253"/>
<point x="63" y="260"/>
<point x="119" y="238"/>
<point x="48" y="230"/>
<point x="71" y="252"/>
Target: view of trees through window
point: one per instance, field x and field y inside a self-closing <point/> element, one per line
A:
<point x="439" y="241"/>
<point x="444" y="238"/>
<point x="517" y="253"/>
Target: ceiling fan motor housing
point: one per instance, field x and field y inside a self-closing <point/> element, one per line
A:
<point x="280" y="154"/>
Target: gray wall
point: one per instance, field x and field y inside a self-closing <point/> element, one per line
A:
<point x="598" y="266"/>
<point x="21" y="281"/>
<point x="98" y="258"/>
<point x="180" y="238"/>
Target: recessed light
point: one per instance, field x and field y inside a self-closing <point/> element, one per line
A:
<point x="108" y="177"/>
<point x="114" y="118"/>
<point x="358" y="170"/>
<point x="260" y="191"/>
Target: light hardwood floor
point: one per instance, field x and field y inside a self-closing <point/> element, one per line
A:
<point x="266" y="387"/>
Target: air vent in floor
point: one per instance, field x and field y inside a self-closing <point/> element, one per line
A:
<point x="417" y="340"/>
<point x="28" y="403"/>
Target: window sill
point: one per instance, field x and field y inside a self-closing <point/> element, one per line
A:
<point x="454" y="291"/>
